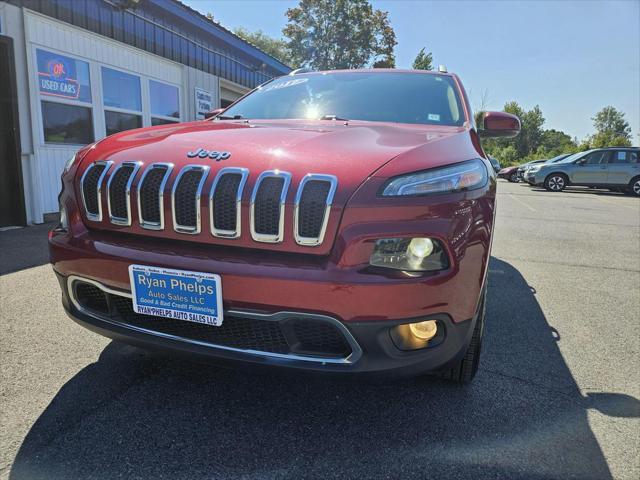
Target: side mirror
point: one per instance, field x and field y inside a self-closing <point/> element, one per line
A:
<point x="581" y="162"/>
<point x="499" y="124"/>
<point x="214" y="113"/>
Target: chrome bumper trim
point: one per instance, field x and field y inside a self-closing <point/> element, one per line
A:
<point x="356" y="351"/>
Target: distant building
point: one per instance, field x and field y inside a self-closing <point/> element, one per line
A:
<point x="79" y="70"/>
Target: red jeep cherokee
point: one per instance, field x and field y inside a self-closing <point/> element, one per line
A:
<point x="330" y="221"/>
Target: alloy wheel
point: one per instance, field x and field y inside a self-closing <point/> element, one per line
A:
<point x="556" y="183"/>
<point x="636" y="187"/>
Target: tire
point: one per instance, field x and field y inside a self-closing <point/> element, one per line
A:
<point x="556" y="182"/>
<point x="513" y="178"/>
<point x="465" y="369"/>
<point x="634" y="187"/>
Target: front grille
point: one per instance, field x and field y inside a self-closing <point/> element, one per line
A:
<point x="91" y="185"/>
<point x="150" y="195"/>
<point x="312" y="208"/>
<point x="118" y="193"/>
<point x="186" y="199"/>
<point x="290" y="334"/>
<point x="267" y="207"/>
<point x="225" y="214"/>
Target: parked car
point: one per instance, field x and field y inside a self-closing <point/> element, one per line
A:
<point x="525" y="166"/>
<point x="281" y="235"/>
<point x="539" y="162"/>
<point x="509" y="173"/>
<point x="495" y="164"/>
<point x="614" y="168"/>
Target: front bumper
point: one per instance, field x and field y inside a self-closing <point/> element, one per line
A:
<point x="338" y="286"/>
<point x="534" y="178"/>
<point x="372" y="350"/>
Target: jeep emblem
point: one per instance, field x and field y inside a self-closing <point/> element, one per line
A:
<point x="213" y="154"/>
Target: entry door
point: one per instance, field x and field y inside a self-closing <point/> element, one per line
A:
<point x="12" y="211"/>
<point x="594" y="170"/>
<point x="623" y="166"/>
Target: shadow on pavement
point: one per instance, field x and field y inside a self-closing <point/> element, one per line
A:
<point x="22" y="248"/>
<point x="137" y="415"/>
<point x="582" y="190"/>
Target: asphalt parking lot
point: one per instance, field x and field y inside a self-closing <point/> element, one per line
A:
<point x="557" y="394"/>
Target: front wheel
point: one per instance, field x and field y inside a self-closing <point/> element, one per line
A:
<point x="514" y="178"/>
<point x="634" y="187"/>
<point x="555" y="182"/>
<point x="466" y="369"/>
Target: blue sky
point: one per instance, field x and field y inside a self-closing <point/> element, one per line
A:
<point x="570" y="57"/>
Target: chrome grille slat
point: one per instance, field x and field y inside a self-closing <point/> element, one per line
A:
<point x="151" y="195"/>
<point x="312" y="205"/>
<point x="225" y="202"/>
<point x="119" y="192"/>
<point x="312" y="208"/>
<point x="185" y="199"/>
<point x="91" y="189"/>
<point x="268" y="206"/>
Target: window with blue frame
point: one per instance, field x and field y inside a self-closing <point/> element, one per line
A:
<point x="122" y="99"/>
<point x="164" y="103"/>
<point x="121" y="90"/>
<point x="63" y="77"/>
<point x="64" y="85"/>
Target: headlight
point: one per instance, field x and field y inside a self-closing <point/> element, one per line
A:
<point x="69" y="163"/>
<point x="409" y="254"/>
<point x="453" y="178"/>
<point x="534" y="169"/>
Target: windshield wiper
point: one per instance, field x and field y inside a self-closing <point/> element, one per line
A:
<point x="227" y="117"/>
<point x="334" y="117"/>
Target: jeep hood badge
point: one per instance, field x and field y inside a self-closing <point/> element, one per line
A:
<point x="213" y="154"/>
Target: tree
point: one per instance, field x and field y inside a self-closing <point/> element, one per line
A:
<point x="612" y="130"/>
<point x="533" y="142"/>
<point x="335" y="34"/>
<point x="275" y="47"/>
<point x="554" y="142"/>
<point x="423" y="61"/>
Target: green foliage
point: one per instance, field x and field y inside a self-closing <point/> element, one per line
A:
<point x="610" y="120"/>
<point x="336" y="34"/>
<point x="507" y="156"/>
<point x="533" y="143"/>
<point x="612" y="130"/>
<point x="275" y="47"/>
<point x="609" y="139"/>
<point x="423" y="61"/>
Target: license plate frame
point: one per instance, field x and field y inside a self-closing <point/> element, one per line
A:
<point x="177" y="294"/>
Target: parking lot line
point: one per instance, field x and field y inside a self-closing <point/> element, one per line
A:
<point x="522" y="202"/>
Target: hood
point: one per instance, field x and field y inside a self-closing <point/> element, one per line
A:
<point x="351" y="152"/>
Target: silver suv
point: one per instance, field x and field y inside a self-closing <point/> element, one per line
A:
<point x="615" y="168"/>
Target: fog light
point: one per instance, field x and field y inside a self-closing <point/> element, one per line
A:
<point x="424" y="330"/>
<point x="418" y="250"/>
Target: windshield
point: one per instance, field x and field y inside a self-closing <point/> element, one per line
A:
<point x="558" y="158"/>
<point x="372" y="96"/>
<point x="574" y="157"/>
